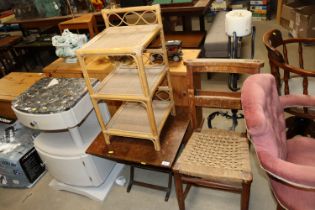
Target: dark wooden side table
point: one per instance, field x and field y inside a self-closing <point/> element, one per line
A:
<point x="141" y="154"/>
<point x="34" y="50"/>
<point x="187" y="12"/>
<point x="8" y="56"/>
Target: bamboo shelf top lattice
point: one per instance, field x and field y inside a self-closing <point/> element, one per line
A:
<point x="121" y="40"/>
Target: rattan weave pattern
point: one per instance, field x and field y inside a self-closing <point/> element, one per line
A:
<point x="217" y="155"/>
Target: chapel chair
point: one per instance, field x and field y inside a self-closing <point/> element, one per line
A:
<point x="291" y="79"/>
<point x="214" y="158"/>
<point x="290" y="164"/>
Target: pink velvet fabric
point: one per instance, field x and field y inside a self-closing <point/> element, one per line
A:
<point x="289" y="163"/>
<point x="264" y="115"/>
<point x="297" y="100"/>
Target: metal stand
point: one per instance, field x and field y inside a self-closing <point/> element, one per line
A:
<point x="234" y="49"/>
<point x="167" y="189"/>
<point x="234" y="117"/>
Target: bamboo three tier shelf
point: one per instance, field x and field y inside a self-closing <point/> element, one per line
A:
<point x="128" y="33"/>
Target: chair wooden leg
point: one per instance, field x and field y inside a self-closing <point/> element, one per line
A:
<point x="245" y="195"/>
<point x="179" y="190"/>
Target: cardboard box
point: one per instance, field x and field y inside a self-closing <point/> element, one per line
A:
<point x="288" y="10"/>
<point x="304" y="24"/>
<point x="285" y="23"/>
<point x="288" y="14"/>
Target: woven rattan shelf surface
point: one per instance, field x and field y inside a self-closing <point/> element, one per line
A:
<point x="124" y="81"/>
<point x="121" y="40"/>
<point x="216" y="155"/>
<point x="133" y="118"/>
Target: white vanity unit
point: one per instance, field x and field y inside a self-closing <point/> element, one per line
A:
<point x="61" y="108"/>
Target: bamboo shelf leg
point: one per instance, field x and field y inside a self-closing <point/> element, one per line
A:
<point x="106" y="137"/>
<point x="94" y="101"/>
<point x="156" y="143"/>
<point x="148" y="103"/>
<point x="165" y="59"/>
<point x="152" y="122"/>
<point x="100" y="120"/>
<point x="171" y="92"/>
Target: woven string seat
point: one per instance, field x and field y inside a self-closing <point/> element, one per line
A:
<point x="216" y="159"/>
<point x="216" y="155"/>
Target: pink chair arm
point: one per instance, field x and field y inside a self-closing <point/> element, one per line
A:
<point x="294" y="174"/>
<point x="297" y="100"/>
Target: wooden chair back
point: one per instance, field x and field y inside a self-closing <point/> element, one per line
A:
<point x="281" y="68"/>
<point x="215" y="99"/>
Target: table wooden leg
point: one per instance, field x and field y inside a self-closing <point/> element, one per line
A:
<point x="202" y="23"/>
<point x="132" y="181"/>
<point x="169" y="186"/>
<point x="131" y="178"/>
<point x="187" y="26"/>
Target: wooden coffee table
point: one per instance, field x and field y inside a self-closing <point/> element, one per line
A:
<point x="13" y="85"/>
<point x="139" y="153"/>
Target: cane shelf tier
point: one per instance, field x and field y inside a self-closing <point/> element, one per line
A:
<point x="123" y="83"/>
<point x="136" y="83"/>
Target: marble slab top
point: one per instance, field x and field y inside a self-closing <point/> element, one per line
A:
<point x="51" y="95"/>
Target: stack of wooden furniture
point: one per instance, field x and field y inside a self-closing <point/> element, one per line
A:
<point x="141" y="115"/>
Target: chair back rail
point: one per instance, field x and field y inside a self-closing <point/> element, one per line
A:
<point x="215" y="99"/>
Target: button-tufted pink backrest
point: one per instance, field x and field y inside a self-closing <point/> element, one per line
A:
<point x="264" y="116"/>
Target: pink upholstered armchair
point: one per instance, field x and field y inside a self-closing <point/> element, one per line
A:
<point x="290" y="164"/>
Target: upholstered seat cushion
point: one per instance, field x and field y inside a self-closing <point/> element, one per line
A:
<point x="301" y="151"/>
<point x="294" y="198"/>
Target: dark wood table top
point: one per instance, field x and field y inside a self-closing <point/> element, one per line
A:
<point x="9" y="41"/>
<point x="200" y="7"/>
<point x="141" y="152"/>
<point x="190" y="40"/>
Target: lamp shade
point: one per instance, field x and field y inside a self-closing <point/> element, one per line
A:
<point x="239" y="21"/>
